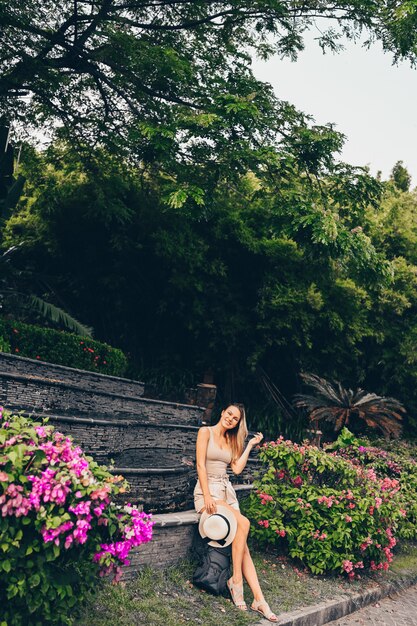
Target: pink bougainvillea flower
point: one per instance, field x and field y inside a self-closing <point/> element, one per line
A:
<point x="40" y="431"/>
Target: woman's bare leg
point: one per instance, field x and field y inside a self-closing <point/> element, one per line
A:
<point x="239" y="545"/>
<point x="259" y="603"/>
<point x="241" y="558"/>
<point x="238" y="548"/>
<point x="251" y="576"/>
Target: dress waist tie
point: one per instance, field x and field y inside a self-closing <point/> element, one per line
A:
<point x="223" y="479"/>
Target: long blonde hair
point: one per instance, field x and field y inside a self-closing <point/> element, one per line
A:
<point x="237" y="435"/>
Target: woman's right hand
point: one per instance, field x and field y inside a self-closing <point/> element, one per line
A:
<point x="210" y="505"/>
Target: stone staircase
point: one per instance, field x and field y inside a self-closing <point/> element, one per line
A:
<point x="151" y="442"/>
<point x="45" y="388"/>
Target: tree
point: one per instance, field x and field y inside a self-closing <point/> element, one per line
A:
<point x="401" y="177"/>
<point x="279" y="269"/>
<point x="10" y="187"/>
<point x="333" y="403"/>
<point x="139" y="72"/>
<point x="272" y="270"/>
<point x="17" y="287"/>
<point x="390" y="353"/>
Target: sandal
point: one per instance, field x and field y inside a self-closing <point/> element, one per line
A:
<point x="262" y="607"/>
<point x="236" y="593"/>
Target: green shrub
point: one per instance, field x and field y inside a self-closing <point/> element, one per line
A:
<point x="331" y="515"/>
<point x="63" y="348"/>
<point x="4" y="342"/>
<point x="58" y="526"/>
<point x="397" y="462"/>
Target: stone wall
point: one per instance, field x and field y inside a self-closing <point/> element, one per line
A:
<point x="105" y="439"/>
<point x="108" y="438"/>
<point x="168" y="546"/>
<point x="22" y="386"/>
<point x="159" y="491"/>
<point x="160" y="479"/>
<point x="33" y="369"/>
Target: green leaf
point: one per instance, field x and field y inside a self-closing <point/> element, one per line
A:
<point x="12" y="590"/>
<point x="12" y="456"/>
<point x="176" y="199"/>
<point x="34" y="580"/>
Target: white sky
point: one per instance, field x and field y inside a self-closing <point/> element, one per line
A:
<point x="371" y="101"/>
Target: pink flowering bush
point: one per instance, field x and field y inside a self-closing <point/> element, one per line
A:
<point x="58" y="526"/>
<point x="329" y="513"/>
<point x="398" y="462"/>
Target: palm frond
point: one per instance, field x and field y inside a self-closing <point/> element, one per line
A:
<point x="334" y="403"/>
<point x="59" y="316"/>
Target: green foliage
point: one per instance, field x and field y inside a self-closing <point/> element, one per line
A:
<point x="401" y="177"/>
<point x="16" y="287"/>
<point x="345" y="439"/>
<point x="4" y="342"/>
<point x="164" y="69"/>
<point x="390" y="352"/>
<point x="10" y="187"/>
<point x="252" y="276"/>
<point x="62" y="348"/>
<point x="215" y="227"/>
<point x="328" y="512"/>
<point x="275" y="269"/>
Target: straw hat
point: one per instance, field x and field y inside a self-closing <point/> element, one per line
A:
<point x="218" y="529"/>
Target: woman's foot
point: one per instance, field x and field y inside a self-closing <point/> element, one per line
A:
<point x="262" y="607"/>
<point x="236" y="592"/>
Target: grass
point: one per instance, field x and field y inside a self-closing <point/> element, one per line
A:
<point x="405" y="561"/>
<point x="167" y="598"/>
<point x="159" y="598"/>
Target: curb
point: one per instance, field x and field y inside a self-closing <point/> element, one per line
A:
<point x="338" y="607"/>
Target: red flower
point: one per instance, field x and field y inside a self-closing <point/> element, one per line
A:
<point x="264" y="523"/>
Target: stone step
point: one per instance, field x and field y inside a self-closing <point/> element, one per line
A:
<point x="106" y="438"/>
<point x="38" y="394"/>
<point x="52" y="373"/>
<point x="175" y="537"/>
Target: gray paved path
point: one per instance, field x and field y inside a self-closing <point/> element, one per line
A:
<point x="396" y="610"/>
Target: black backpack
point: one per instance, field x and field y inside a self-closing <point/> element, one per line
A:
<point x="214" y="571"/>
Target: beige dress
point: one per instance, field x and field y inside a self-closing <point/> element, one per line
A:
<point x="217" y="460"/>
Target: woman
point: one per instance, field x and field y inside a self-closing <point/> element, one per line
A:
<point x="217" y="447"/>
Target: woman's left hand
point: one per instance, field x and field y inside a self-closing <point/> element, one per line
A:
<point x="256" y="440"/>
